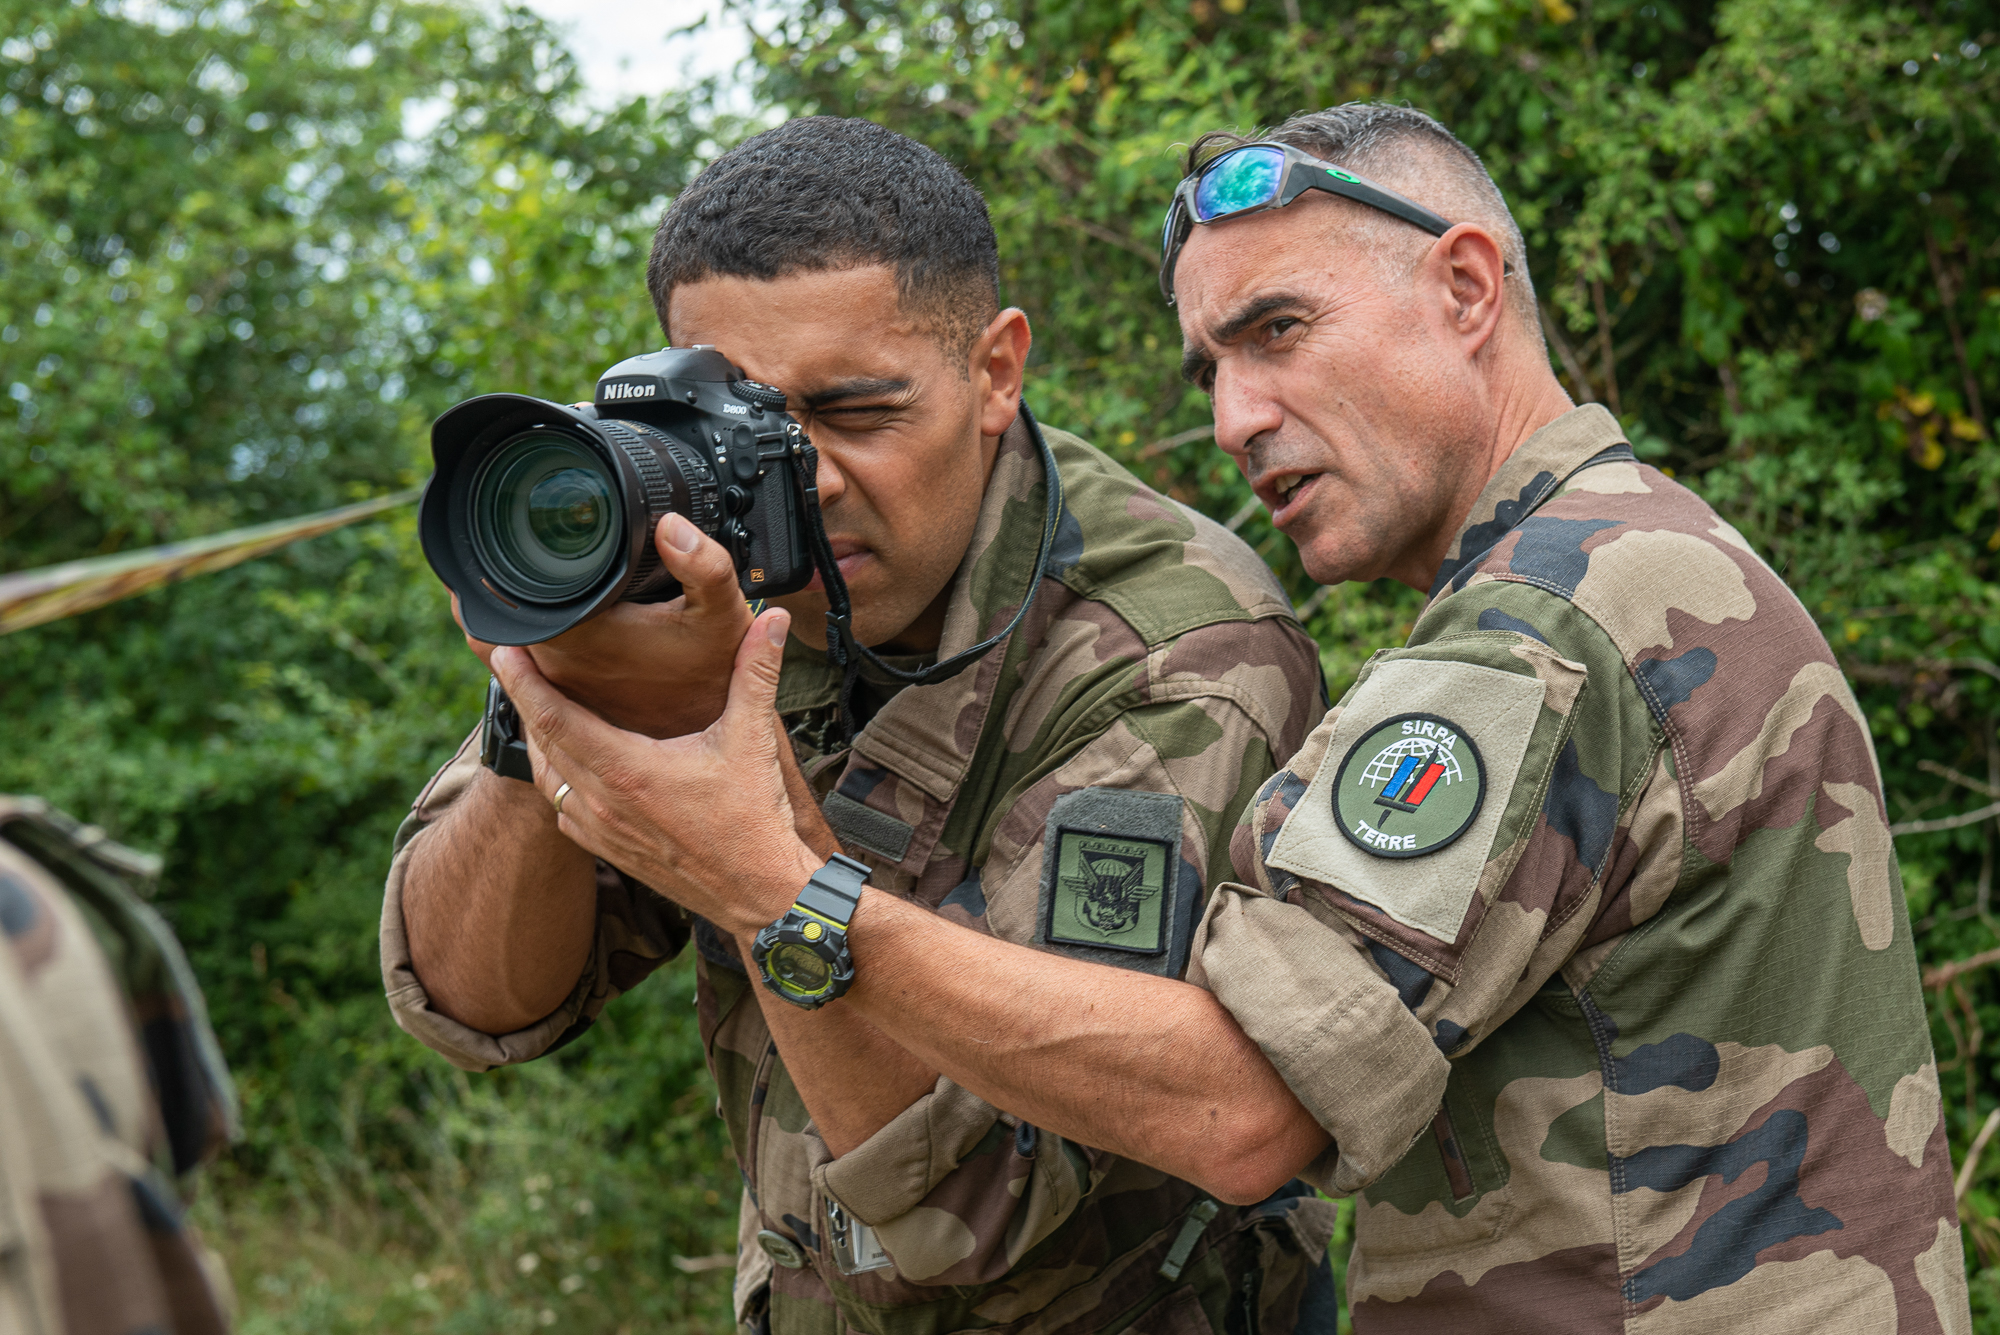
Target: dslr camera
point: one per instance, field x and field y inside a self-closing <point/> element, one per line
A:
<point x="540" y="516"/>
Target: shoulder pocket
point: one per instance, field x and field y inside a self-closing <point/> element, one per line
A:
<point x="1411" y="800"/>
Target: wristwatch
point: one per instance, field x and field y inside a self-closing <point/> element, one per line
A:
<point x="803" y="955"/>
<point x="501" y="747"/>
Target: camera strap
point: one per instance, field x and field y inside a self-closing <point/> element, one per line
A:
<point x="846" y="652"/>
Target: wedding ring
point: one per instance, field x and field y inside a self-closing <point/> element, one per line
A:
<point x="561" y="793"/>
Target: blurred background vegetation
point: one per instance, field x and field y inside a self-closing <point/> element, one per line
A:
<point x="248" y="249"/>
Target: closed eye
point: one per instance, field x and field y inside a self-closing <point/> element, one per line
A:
<point x="860" y="416"/>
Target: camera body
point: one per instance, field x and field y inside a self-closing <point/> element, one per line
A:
<point x="540" y="516"/>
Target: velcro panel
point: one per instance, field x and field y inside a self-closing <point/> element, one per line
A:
<point x="863" y="826"/>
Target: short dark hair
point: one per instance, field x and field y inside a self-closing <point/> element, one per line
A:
<point x="821" y="193"/>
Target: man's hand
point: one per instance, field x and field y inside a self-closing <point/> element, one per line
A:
<point x="703" y="819"/>
<point x="661" y="669"/>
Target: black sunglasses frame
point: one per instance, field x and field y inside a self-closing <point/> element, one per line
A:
<point x="1303" y="172"/>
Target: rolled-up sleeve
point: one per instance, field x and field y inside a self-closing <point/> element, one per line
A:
<point x="1364" y="968"/>
<point x="637" y="931"/>
<point x="1331" y="1024"/>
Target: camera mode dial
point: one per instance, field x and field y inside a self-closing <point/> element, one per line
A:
<point x="758" y="394"/>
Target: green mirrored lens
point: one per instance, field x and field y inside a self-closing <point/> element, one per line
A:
<point x="1239" y="180"/>
<point x="546" y="517"/>
<point x="798" y="968"/>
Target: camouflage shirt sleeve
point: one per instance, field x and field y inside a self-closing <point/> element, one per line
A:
<point x="93" y="1232"/>
<point x="637" y="931"/>
<point x="1375" y="938"/>
<point x="1011" y="1184"/>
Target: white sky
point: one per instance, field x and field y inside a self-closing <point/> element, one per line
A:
<point x="623" y="49"/>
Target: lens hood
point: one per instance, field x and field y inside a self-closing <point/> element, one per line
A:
<point x="461" y="440"/>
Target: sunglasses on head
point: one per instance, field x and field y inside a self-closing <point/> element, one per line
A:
<point x="1260" y="176"/>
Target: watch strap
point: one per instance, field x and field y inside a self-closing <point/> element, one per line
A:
<point x="502" y="749"/>
<point x="834" y="891"/>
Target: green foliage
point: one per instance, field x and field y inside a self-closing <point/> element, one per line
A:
<point x="248" y="252"/>
<point x="248" y="249"/>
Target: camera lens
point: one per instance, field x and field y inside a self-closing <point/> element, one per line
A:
<point x="545" y="516"/>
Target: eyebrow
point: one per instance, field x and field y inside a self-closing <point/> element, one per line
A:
<point x="1195" y="358"/>
<point x="842" y="391"/>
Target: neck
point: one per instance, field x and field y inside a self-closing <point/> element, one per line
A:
<point x="1522" y="400"/>
<point x="925" y="634"/>
<point x="1524" y="405"/>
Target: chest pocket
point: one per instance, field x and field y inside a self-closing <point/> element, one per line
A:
<point x="891" y="823"/>
<point x="1453" y="1188"/>
<point x="1526" y="1111"/>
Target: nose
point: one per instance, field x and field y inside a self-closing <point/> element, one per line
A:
<point x="1243" y="411"/>
<point x="832" y="483"/>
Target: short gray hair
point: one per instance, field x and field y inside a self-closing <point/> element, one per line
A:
<point x="1402" y="148"/>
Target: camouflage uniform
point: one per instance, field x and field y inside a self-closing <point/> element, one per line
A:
<point x="92" y="1241"/>
<point x="1128" y="722"/>
<point x="1643" y="1049"/>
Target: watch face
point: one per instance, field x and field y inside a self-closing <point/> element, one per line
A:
<point x="799" y="969"/>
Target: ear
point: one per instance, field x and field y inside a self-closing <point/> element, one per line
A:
<point x="1475" y="272"/>
<point x="996" y="364"/>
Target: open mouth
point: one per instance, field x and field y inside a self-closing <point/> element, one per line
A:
<point x="1288" y="492"/>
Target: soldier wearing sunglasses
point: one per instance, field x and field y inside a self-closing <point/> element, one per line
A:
<point x="1576" y="926"/>
<point x="1572" y="942"/>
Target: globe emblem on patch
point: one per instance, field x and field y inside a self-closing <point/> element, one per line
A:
<point x="1388" y="762"/>
<point x="1411" y="785"/>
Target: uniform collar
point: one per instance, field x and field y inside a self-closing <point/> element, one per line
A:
<point x="1528" y="477"/>
<point x="929" y="733"/>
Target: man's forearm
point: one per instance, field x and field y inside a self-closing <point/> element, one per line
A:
<point x="853" y="1078"/>
<point x="500" y="907"/>
<point x="1149" y="1068"/>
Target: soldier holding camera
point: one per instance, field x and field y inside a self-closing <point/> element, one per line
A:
<point x="1047" y="695"/>
<point x="1572" y="943"/>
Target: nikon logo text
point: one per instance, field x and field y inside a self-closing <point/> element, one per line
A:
<point x="614" y="392"/>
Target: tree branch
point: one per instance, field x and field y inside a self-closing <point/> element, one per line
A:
<point x="1179" y="438"/>
<point x="1567" y="354"/>
<point x="1946" y="822"/>
<point x="1943" y="975"/>
<point x="1605" y="357"/>
<point x="1727" y="376"/>
<point x="1947" y="772"/>
<point x="1899" y="673"/>
<point x="1946" y="298"/>
<point x="1972" y="1155"/>
<point x="1113" y="238"/>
